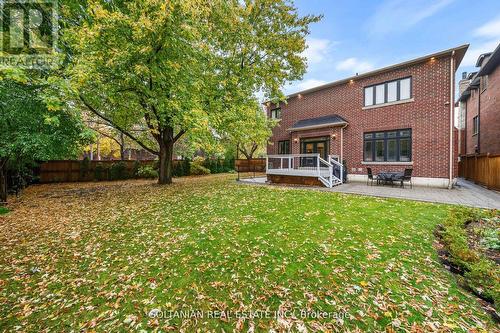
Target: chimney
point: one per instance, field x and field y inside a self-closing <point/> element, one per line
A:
<point x="463" y="83"/>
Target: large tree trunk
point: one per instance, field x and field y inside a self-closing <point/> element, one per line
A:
<point x="3" y="181"/>
<point x="166" y="154"/>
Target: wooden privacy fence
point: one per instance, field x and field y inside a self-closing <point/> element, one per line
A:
<point x="253" y="165"/>
<point x="80" y="171"/>
<point x="482" y="169"/>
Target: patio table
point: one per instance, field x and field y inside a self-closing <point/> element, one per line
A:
<point x="389" y="177"/>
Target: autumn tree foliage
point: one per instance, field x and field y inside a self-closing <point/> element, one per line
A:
<point x="178" y="66"/>
<point x="32" y="128"/>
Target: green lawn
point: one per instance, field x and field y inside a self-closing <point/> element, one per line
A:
<point x="102" y="256"/>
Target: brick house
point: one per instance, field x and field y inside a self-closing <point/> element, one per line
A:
<point x="390" y="119"/>
<point x="480" y="106"/>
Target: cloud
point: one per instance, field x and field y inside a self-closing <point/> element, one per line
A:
<point x="317" y="49"/>
<point x="395" y="16"/>
<point x="304" y="85"/>
<point x="490" y="29"/>
<point x="354" y="65"/>
<point x="475" y="51"/>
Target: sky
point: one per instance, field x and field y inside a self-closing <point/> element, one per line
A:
<point x="357" y="36"/>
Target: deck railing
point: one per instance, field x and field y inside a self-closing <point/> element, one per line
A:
<point x="306" y="165"/>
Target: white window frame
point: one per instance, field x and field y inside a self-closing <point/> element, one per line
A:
<point x="384" y="91"/>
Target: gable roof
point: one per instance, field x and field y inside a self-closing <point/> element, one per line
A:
<point x="326" y="121"/>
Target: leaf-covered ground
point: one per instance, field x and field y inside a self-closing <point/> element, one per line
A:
<point x="127" y="256"/>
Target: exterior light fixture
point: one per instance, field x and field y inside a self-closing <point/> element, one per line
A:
<point x="351" y="81"/>
<point x="299" y="96"/>
<point x="295" y="140"/>
<point x="334" y="136"/>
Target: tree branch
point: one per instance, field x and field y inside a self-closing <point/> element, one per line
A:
<point x="97" y="113"/>
<point x="178" y="136"/>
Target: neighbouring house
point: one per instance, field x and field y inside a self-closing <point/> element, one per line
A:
<point x="394" y="118"/>
<point x="480" y="106"/>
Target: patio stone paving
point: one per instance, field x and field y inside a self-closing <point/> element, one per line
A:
<point x="465" y="193"/>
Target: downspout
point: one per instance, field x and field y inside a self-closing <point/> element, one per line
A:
<point x="342" y="152"/>
<point x="479" y="118"/>
<point x="465" y="132"/>
<point x="452" y="99"/>
<point x="342" y="143"/>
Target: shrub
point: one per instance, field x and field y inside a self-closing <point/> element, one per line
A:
<point x="3" y="210"/>
<point x="84" y="168"/>
<point x="480" y="274"/>
<point x="135" y="168"/>
<point x="118" y="171"/>
<point x="181" y="168"/>
<point x="101" y="172"/>
<point x="147" y="171"/>
<point x="197" y="169"/>
<point x="187" y="167"/>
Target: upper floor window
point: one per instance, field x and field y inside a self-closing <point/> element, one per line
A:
<point x="276" y="113"/>
<point x="390" y="91"/>
<point x="475" y="125"/>
<point x="484" y="82"/>
<point x="387" y="146"/>
<point x="284" y="147"/>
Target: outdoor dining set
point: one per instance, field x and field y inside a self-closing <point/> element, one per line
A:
<point x="390" y="178"/>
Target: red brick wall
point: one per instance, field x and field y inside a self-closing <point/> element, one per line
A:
<point x="471" y="107"/>
<point x="490" y="115"/>
<point x="428" y="116"/>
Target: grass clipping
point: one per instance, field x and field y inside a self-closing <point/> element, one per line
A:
<point x="479" y="273"/>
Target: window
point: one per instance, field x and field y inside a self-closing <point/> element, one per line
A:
<point x="380" y="94"/>
<point x="391" y="91"/>
<point x="368" y="96"/>
<point x="405" y="89"/>
<point x="276" y="113"/>
<point x="284" y="147"/>
<point x="475" y="125"/>
<point x="484" y="82"/>
<point x="387" y="146"/>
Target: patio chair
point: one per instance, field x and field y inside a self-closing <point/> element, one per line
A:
<point x="370" y="177"/>
<point x="406" y="177"/>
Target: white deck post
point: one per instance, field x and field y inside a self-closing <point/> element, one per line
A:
<point x="341" y="173"/>
<point x="319" y="172"/>
<point x="281" y="163"/>
<point x="267" y="158"/>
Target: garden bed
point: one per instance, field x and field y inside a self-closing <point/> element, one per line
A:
<point x="469" y="246"/>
